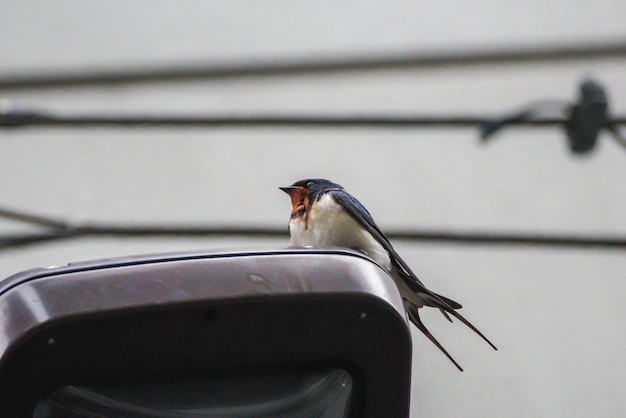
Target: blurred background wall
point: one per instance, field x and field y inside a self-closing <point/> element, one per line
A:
<point x="555" y="313"/>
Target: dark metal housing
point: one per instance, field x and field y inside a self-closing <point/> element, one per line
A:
<point x="276" y="333"/>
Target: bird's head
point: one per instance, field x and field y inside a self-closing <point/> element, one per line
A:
<point x="309" y="189"/>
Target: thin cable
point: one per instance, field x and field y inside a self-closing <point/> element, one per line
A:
<point x="319" y="65"/>
<point x="66" y="230"/>
<point x="31" y="218"/>
<point x="14" y="120"/>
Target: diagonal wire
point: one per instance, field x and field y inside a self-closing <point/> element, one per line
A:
<point x="32" y="218"/>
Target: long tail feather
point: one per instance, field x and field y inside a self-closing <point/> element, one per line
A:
<point x="414" y="317"/>
<point x="445" y="314"/>
<point x="470" y="326"/>
<point x="442" y="304"/>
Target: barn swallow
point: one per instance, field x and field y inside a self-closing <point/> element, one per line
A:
<point x="324" y="214"/>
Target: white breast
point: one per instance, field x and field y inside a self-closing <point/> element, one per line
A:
<point x="329" y="225"/>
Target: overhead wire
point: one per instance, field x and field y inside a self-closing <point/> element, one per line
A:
<point x="573" y="119"/>
<point x="53" y="229"/>
<point x="317" y="65"/>
<point x="32" y="119"/>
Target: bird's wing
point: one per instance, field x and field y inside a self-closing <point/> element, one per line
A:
<point x="363" y="217"/>
<point x="358" y="212"/>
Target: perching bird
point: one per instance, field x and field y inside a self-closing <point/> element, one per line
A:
<point x="324" y="214"/>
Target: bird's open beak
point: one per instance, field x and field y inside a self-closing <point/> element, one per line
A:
<point x="288" y="189"/>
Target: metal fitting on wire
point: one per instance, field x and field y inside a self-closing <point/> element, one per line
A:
<point x="583" y="120"/>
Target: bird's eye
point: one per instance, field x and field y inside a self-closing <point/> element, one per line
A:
<point x="310" y="183"/>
